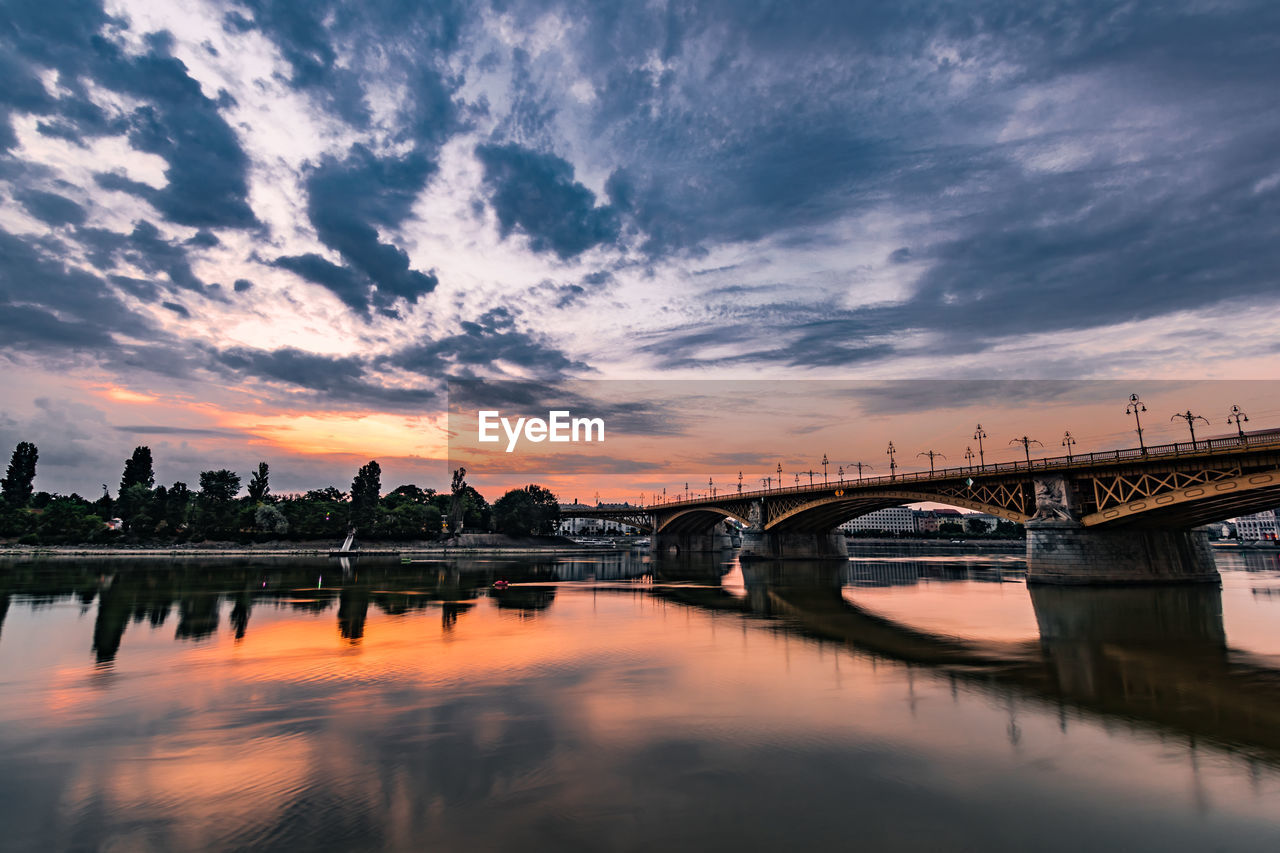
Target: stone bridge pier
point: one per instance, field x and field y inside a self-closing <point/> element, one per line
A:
<point x="1062" y="550"/>
<point x="761" y="544"/>
<point x="716" y="538"/>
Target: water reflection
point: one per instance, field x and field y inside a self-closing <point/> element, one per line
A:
<point x="617" y="710"/>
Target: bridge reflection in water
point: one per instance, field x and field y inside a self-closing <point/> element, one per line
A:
<point x="1155" y="657"/>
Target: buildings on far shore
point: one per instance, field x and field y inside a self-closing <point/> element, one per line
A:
<point x="1259" y="527"/>
<point x="905" y="521"/>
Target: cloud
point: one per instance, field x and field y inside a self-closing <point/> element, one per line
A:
<point x="536" y="194"/>
<point x="51" y="208"/>
<point x="347" y="202"/>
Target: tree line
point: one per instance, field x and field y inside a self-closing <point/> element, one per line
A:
<point x="142" y="511"/>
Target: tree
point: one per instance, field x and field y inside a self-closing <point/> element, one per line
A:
<point x="270" y="519"/>
<point x="259" y="485"/>
<point x="17" y="483"/>
<point x="218" y="489"/>
<point x="457" y="491"/>
<point x="950" y="528"/>
<point x="138" y="470"/>
<point x="976" y="526"/>
<point x="520" y="512"/>
<point x="366" y="488"/>
<point x="514" y="513"/>
<point x="178" y="506"/>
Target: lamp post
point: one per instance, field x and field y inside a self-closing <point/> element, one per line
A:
<point x="1238" y="417"/>
<point x="739" y="482"/>
<point x="824" y="469"/>
<point x="931" y="454"/>
<point x="968" y="457"/>
<point x="979" y="434"/>
<point x="1191" y="423"/>
<point x="893" y="465"/>
<point x="1067" y="441"/>
<point x="711" y="487"/>
<point x="840" y="473"/>
<point x="1026" y="446"/>
<point x="862" y="465"/>
<point x="1135" y="406"/>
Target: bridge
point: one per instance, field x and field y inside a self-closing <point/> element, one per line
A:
<point x="1118" y="516"/>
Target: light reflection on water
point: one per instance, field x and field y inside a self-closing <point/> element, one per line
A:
<point x="612" y="703"/>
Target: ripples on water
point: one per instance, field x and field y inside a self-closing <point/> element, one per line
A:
<point x="612" y="703"/>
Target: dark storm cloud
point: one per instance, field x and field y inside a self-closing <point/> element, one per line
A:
<point x="729" y="123"/>
<point x="311" y="35"/>
<point x="536" y="194"/>
<point x="206" y="167"/>
<point x="326" y="379"/>
<point x="152" y="429"/>
<point x="51" y="208"/>
<point x="347" y="201"/>
<point x="491" y="338"/>
<point x="47" y="305"/>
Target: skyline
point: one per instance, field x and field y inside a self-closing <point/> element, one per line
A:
<point x="257" y="230"/>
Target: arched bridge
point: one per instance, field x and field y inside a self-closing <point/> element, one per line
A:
<point x="1125" y="513"/>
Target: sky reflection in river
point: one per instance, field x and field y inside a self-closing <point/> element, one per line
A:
<point x="616" y="709"/>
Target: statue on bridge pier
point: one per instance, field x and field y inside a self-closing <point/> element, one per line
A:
<point x="1053" y="501"/>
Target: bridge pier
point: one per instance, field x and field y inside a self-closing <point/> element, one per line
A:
<point x="715" y="539"/>
<point x="1060" y="551"/>
<point x="771" y="545"/>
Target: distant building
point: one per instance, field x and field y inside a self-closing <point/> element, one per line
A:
<point x="895" y="520"/>
<point x="925" y="521"/>
<point x="593" y="526"/>
<point x="1261" y="526"/>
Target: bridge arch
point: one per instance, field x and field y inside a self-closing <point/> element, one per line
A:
<point x="696" y="519"/>
<point x="827" y="512"/>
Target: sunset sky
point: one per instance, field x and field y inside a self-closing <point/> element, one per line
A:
<point x="253" y="230"/>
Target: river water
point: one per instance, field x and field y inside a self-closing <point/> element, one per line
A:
<point x="613" y="702"/>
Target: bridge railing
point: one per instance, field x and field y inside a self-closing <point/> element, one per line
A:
<point x="1076" y="460"/>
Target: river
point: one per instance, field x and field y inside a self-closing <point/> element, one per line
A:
<point x="616" y="702"/>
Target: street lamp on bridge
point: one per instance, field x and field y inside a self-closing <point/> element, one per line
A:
<point x="968" y="457"/>
<point x="978" y="435"/>
<point x="711" y="487"/>
<point x="860" y="466"/>
<point x="893" y="465"/>
<point x="1067" y="440"/>
<point x="931" y="454"/>
<point x="1026" y="446"/>
<point x="1135" y="406"/>
<point x="1238" y="417"/>
<point x="779" y="475"/>
<point x="1191" y="423"/>
<point x="739" y="482"/>
<point x="824" y="469"/>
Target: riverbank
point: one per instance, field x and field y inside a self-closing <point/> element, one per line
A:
<point x="1012" y="546"/>
<point x="477" y="544"/>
